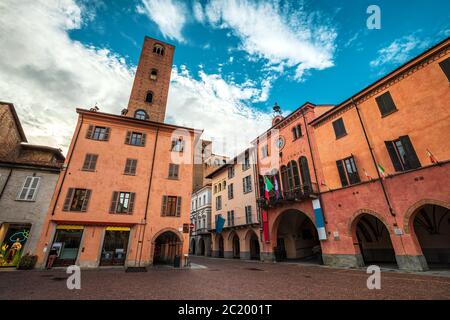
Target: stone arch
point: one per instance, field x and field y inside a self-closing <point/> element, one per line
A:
<point x="167" y="244"/>
<point x="160" y="232"/>
<point x="408" y="218"/>
<point x="353" y="221"/>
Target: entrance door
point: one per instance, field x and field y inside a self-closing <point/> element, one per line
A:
<point x="13" y="244"/>
<point x="114" y="251"/>
<point x="67" y="244"/>
<point x="221" y="247"/>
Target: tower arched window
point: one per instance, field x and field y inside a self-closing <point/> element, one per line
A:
<point x="158" y="49"/>
<point x="153" y="74"/>
<point x="149" y="97"/>
<point x="141" y="114"/>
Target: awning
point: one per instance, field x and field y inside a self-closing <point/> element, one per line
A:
<point x="118" y="228"/>
<point x="69" y="227"/>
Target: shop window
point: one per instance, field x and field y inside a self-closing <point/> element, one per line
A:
<point x="12" y="247"/>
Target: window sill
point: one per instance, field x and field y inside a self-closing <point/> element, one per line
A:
<point x="122" y="213"/>
<point x="389" y="113"/>
<point x="130" y="174"/>
<point x="87" y="170"/>
<point x="173" y="178"/>
<point x="25" y="200"/>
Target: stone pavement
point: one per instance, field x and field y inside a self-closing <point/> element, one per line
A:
<point x="211" y="278"/>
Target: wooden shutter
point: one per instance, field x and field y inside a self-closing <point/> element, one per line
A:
<point x="144" y="137"/>
<point x="131" y="203"/>
<point x="393" y="155"/>
<point x="68" y="199"/>
<point x="445" y="66"/>
<point x="342" y="174"/>
<point x="87" y="196"/>
<point x="87" y="160"/>
<point x="128" y="166"/>
<point x="107" y="131"/>
<point x="90" y="131"/>
<point x="115" y="197"/>
<point x="128" y="137"/>
<point x="164" y="206"/>
<point x="133" y="166"/>
<point x="385" y="103"/>
<point x="339" y="128"/>
<point x="178" y="206"/>
<point x="411" y="156"/>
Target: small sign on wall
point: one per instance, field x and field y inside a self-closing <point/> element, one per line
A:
<point x="336" y="235"/>
<point x="185" y="228"/>
<point x="398" y="231"/>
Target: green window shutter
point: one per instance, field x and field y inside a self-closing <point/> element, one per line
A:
<point x="393" y="155"/>
<point x="131" y="203"/>
<point x="144" y="137"/>
<point x="107" y="132"/>
<point x="90" y="131"/>
<point x="342" y="174"/>
<point x="128" y="137"/>
<point x="411" y="156"/>
<point x="178" y="206"/>
<point x="164" y="206"/>
<point x="113" y="207"/>
<point x="87" y="197"/>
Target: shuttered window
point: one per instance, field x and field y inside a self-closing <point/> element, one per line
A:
<point x="341" y="171"/>
<point x="171" y="206"/>
<point x="247" y="184"/>
<point x="130" y="166"/>
<point x="29" y="189"/>
<point x="339" y="128"/>
<point x="230" y="172"/>
<point x="230" y="218"/>
<point x="98" y="133"/>
<point x="246" y="164"/>
<point x="122" y="202"/>
<point x="77" y="200"/>
<point x="402" y="154"/>
<point x="173" y="171"/>
<point x="135" y="138"/>
<point x="219" y="203"/>
<point x="385" y="104"/>
<point x="297" y="131"/>
<point x="248" y="214"/>
<point x="230" y="191"/>
<point x="90" y="162"/>
<point x="445" y="66"/>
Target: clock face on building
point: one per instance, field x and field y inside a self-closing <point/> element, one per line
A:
<point x="280" y="143"/>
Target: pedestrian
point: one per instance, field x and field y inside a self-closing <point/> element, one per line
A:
<point x="52" y="257"/>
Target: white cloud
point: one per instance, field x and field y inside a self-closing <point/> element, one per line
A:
<point x="218" y="106"/>
<point x="399" y="51"/>
<point x="169" y="15"/>
<point x="47" y="75"/>
<point x="279" y="34"/>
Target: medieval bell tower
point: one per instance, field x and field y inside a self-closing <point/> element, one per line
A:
<point x="148" y="97"/>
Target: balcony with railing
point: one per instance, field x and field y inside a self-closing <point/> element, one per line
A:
<point x="238" y="222"/>
<point x="297" y="194"/>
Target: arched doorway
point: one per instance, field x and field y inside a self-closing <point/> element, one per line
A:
<point x="297" y="238"/>
<point x="201" y="247"/>
<point x="236" y="247"/>
<point x="254" y="246"/>
<point x="192" y="247"/>
<point x="221" y="246"/>
<point x="166" y="247"/>
<point x="374" y="240"/>
<point x="431" y="225"/>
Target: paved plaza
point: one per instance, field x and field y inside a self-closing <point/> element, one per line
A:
<point x="211" y="278"/>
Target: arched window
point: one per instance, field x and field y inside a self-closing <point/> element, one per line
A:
<point x="153" y="74"/>
<point x="149" y="97"/>
<point x="292" y="175"/>
<point x="284" y="178"/>
<point x="304" y="170"/>
<point x="141" y="114"/>
<point x="158" y="49"/>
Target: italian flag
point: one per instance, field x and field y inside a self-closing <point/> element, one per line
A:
<point x="431" y="156"/>
<point x="381" y="171"/>
<point x="268" y="186"/>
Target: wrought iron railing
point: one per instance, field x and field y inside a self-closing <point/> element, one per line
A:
<point x="299" y="193"/>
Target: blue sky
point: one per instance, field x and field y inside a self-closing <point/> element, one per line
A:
<point x="233" y="59"/>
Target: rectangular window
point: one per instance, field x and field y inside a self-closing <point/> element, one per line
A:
<point x="230" y="191"/>
<point x="219" y="203"/>
<point x="297" y="131"/>
<point x="173" y="171"/>
<point x="348" y="173"/>
<point x="230" y="218"/>
<point x="445" y="66"/>
<point x="98" y="133"/>
<point x="77" y="199"/>
<point x="246" y="164"/>
<point x="402" y="154"/>
<point x="171" y="206"/>
<point x="130" y="167"/>
<point x="230" y="172"/>
<point x="339" y="128"/>
<point x="29" y="189"/>
<point x="385" y="104"/>
<point x="135" y="138"/>
<point x="178" y="145"/>
<point x="265" y="151"/>
<point x="247" y="182"/>
<point x="90" y="162"/>
<point x="248" y="214"/>
<point x="122" y="202"/>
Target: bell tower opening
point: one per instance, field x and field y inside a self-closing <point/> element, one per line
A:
<point x="151" y="82"/>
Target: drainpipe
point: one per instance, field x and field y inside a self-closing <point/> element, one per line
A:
<point x="6" y="182"/>
<point x="373" y="159"/>
<point x="141" y="241"/>
<point x="69" y="157"/>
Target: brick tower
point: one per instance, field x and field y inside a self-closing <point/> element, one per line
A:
<point x="148" y="97"/>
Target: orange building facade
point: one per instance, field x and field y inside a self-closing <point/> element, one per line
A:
<point x="378" y="167"/>
<point x="123" y="197"/>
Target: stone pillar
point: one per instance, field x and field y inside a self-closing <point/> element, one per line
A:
<point x="343" y="260"/>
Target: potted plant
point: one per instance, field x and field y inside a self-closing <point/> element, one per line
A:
<point x="27" y="262"/>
